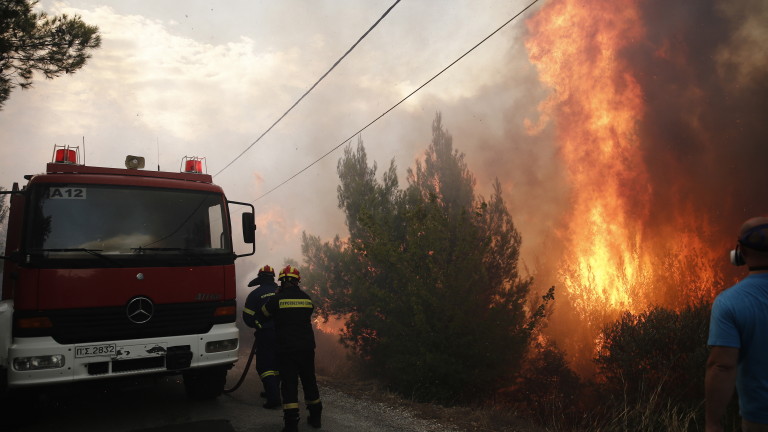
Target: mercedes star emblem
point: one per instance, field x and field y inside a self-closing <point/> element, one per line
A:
<point x="140" y="310"/>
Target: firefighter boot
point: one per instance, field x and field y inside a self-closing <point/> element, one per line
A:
<point x="272" y="393"/>
<point x="315" y="411"/>
<point x="291" y="420"/>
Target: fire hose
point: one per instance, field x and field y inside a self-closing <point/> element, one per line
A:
<point x="245" y="371"/>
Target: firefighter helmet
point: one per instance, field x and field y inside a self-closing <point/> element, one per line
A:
<point x="267" y="271"/>
<point x="289" y="272"/>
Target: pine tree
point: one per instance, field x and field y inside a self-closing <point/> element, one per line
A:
<point x="34" y="42"/>
<point x="428" y="279"/>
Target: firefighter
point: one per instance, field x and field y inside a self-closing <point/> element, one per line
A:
<point x="291" y="309"/>
<point x="266" y="338"/>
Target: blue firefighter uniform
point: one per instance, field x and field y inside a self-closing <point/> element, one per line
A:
<point x="266" y="337"/>
<point x="291" y="310"/>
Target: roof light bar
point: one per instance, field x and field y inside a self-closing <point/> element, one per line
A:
<point x="65" y="154"/>
<point x="193" y="164"/>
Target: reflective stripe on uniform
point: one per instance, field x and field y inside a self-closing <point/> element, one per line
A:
<point x="314" y="402"/>
<point x="248" y="311"/>
<point x="291" y="406"/>
<point x="269" y="373"/>
<point x="295" y="303"/>
<point x="264" y="310"/>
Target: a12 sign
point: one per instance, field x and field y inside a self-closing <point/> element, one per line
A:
<point x="66" y="193"/>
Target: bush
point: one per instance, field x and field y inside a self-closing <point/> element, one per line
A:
<point x="546" y="390"/>
<point x="659" y="351"/>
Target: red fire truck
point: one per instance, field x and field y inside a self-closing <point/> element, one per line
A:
<point x="119" y="272"/>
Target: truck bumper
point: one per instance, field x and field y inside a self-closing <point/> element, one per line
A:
<point x="42" y="361"/>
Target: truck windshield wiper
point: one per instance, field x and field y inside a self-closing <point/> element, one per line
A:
<point x="187" y="252"/>
<point x="94" y="252"/>
<point x="156" y="249"/>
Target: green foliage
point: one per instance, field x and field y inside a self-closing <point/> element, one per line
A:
<point x="32" y="42"/>
<point x="428" y="280"/>
<point x="650" y="378"/>
<point x="547" y="389"/>
<point x="660" y="352"/>
<point x="3" y="207"/>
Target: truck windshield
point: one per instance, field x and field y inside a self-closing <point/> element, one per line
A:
<point x="126" y="223"/>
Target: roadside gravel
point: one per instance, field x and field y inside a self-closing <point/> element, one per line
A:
<point x="365" y="414"/>
<point x="374" y="408"/>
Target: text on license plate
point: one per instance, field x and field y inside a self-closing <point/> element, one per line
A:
<point x="95" y="350"/>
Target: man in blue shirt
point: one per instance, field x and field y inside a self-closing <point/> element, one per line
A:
<point x="738" y="337"/>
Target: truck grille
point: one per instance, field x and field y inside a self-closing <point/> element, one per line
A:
<point x="132" y="365"/>
<point x="73" y="326"/>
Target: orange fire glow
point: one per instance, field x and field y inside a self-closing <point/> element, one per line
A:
<point x="334" y="325"/>
<point x="615" y="260"/>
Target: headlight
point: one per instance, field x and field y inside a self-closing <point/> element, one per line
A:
<point x="222" y="345"/>
<point x="40" y="362"/>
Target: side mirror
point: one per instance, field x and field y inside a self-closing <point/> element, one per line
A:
<point x="249" y="228"/>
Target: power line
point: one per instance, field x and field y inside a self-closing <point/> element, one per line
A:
<point x="397" y="104"/>
<point x="311" y="88"/>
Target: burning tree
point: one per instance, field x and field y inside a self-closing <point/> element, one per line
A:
<point x="649" y="118"/>
<point x="428" y="279"/>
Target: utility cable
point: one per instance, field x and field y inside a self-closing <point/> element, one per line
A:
<point x="310" y="89"/>
<point x="397" y="104"/>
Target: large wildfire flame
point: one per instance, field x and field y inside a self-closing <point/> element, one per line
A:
<point x="614" y="261"/>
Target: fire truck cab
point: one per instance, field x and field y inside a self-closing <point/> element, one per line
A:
<point x="119" y="272"/>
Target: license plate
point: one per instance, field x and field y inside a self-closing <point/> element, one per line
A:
<point x="100" y="350"/>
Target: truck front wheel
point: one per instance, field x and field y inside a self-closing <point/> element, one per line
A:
<point x="205" y="383"/>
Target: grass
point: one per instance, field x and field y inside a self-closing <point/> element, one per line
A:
<point x="652" y="414"/>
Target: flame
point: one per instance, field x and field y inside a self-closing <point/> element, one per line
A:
<point x="596" y="101"/>
<point x="333" y="326"/>
<point x="279" y="225"/>
<point x="616" y="259"/>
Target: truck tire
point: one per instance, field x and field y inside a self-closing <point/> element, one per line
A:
<point x="3" y="381"/>
<point x="205" y="383"/>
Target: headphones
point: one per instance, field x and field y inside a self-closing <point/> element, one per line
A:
<point x="737" y="258"/>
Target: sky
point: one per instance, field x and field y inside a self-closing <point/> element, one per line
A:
<point x="207" y="78"/>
